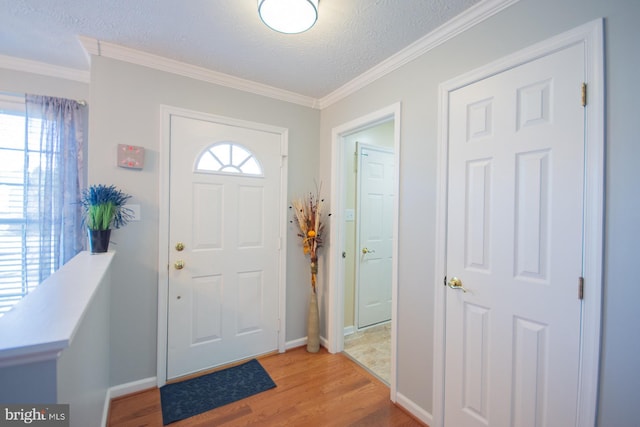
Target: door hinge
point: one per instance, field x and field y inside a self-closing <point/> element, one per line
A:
<point x="581" y="288"/>
<point x="584" y="94"/>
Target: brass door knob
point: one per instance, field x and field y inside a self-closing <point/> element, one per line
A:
<point x="179" y="265"/>
<point x="179" y="246"/>
<point x="455" y="283"/>
<point x="368" y="251"/>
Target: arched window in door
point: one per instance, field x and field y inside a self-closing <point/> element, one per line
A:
<point x="228" y="158"/>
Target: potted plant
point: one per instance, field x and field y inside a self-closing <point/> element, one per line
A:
<point x="103" y="208"/>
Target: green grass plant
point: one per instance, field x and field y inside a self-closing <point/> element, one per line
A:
<point x="104" y="207"/>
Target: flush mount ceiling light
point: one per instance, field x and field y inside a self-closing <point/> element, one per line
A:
<point x="288" y="16"/>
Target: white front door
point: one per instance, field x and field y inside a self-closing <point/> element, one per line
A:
<point x="375" y="234"/>
<point x="514" y="240"/>
<point x="224" y="255"/>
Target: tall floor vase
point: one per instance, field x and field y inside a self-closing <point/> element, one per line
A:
<point x="313" y="324"/>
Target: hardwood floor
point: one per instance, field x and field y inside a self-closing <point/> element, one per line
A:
<point x="315" y="390"/>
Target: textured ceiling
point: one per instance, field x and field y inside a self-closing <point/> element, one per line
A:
<point x="227" y="36"/>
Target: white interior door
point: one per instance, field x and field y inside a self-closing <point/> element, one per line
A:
<point x="514" y="239"/>
<point x="375" y="234"/>
<point x="224" y="250"/>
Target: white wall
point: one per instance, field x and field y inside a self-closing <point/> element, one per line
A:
<point x="19" y="82"/>
<point x="125" y="109"/>
<point x="55" y="346"/>
<point x="83" y="369"/>
<point x="415" y="85"/>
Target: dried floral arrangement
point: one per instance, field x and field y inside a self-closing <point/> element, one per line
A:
<point x="307" y="214"/>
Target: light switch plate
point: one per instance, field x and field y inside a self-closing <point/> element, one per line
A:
<point x="130" y="156"/>
<point x="349" y="214"/>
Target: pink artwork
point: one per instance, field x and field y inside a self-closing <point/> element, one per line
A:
<point x="130" y="156"/>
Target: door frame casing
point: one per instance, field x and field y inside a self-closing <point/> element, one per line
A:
<point x="335" y="267"/>
<point x="166" y="112"/>
<point x="590" y="35"/>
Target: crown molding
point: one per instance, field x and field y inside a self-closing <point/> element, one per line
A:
<point x="122" y="53"/>
<point x="42" y="68"/>
<point x="457" y="25"/>
<point x="467" y="19"/>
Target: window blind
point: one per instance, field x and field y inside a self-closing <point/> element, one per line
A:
<point x="19" y="269"/>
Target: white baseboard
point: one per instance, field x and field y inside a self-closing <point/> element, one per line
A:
<point x="296" y="343"/>
<point x="133" y="387"/>
<point x="415" y="410"/>
<point x="123" y="390"/>
<point x="300" y="342"/>
<point x="105" y="410"/>
<point x="348" y="330"/>
<point x="324" y="342"/>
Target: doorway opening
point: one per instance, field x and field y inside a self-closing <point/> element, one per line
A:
<point x="378" y="132"/>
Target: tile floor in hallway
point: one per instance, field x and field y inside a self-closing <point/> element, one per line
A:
<point x="371" y="348"/>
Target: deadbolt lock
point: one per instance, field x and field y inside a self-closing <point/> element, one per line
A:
<point x="179" y="246"/>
